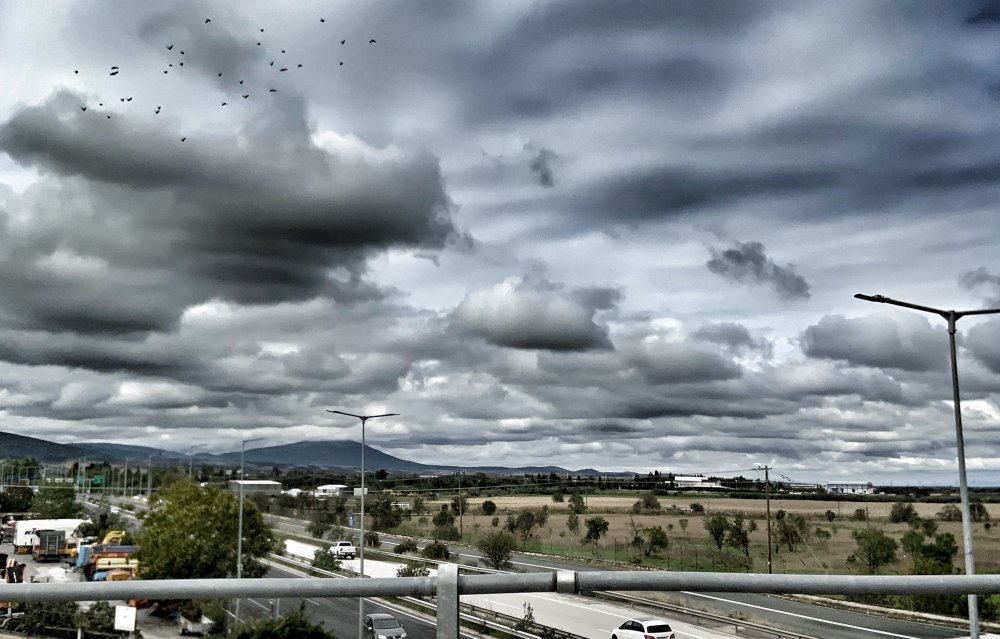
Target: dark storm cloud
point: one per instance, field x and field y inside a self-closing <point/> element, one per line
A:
<point x="984" y="344"/>
<point x="982" y="278"/>
<point x="881" y="341"/>
<point x="176" y="224"/>
<point x="541" y="166"/>
<point x="667" y="191"/>
<point x="531" y="313"/>
<point x="747" y="263"/>
<point x="672" y="363"/>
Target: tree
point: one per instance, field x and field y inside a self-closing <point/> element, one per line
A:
<point x="656" y="539"/>
<point x="573" y="522"/>
<point x="649" y="504"/>
<point x="55" y="502"/>
<point x="738" y="537"/>
<point x="697" y="508"/>
<point x="189" y="532"/>
<point x="874" y="550"/>
<point x="860" y="514"/>
<point x="558" y="496"/>
<point x="830" y="515"/>
<point x="324" y="559"/>
<point x="100" y="617"/>
<point x="577" y="505"/>
<point x="978" y="513"/>
<point x="385" y="515"/>
<point x="717" y="525"/>
<point x="294" y="625"/>
<point x="793" y="530"/>
<point x="48" y="614"/>
<point x="950" y="512"/>
<point x="436" y="550"/>
<point x="902" y="512"/>
<point x="497" y="549"/>
<point x="596" y="527"/>
<point x="525" y="522"/>
<point x="488" y="508"/>
<point x="460" y="504"/>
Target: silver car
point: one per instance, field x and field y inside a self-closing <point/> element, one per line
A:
<point x="383" y="626"/>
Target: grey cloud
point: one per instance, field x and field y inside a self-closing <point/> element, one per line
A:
<point x="982" y="278"/>
<point x="673" y="363"/>
<point x="984" y="343"/>
<point x="747" y="263"/>
<point x="880" y="341"/>
<point x="182" y="223"/>
<point x="531" y="313"/>
<point x="541" y="166"/>
<point x="731" y="335"/>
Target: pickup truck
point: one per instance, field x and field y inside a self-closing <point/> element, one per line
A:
<point x="344" y="549"/>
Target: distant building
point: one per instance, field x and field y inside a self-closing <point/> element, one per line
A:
<point x="255" y="487"/>
<point x="695" y="483"/>
<point x="333" y="490"/>
<point x="850" y="488"/>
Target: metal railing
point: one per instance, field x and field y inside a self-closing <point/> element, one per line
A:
<point x="449" y="584"/>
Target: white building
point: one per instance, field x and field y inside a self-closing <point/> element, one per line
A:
<point x="333" y="490"/>
<point x="850" y="488"/>
<point x="255" y="486"/>
<point x="682" y="481"/>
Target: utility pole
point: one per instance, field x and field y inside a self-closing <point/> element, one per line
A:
<point x="767" y="495"/>
<point x="461" y="528"/>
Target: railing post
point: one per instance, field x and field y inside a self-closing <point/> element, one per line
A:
<point x="447" y="601"/>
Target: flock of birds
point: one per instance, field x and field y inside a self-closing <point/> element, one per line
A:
<point x="282" y="67"/>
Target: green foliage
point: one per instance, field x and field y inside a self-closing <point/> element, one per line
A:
<point x="55" y="502"/>
<point x="577" y="505"/>
<point x="830" y="515"/>
<point x="950" y="512"/>
<point x="412" y="569"/>
<point x="596" y="528"/>
<point x="978" y="512"/>
<point x="524" y="523"/>
<point x="874" y="550"/>
<point x="683" y="524"/>
<point x="656" y="539"/>
<point x="822" y="534"/>
<point x="294" y="625"/>
<point x="448" y="533"/>
<point x="792" y="531"/>
<point x="648" y="504"/>
<point x="321" y="523"/>
<point x="488" y="507"/>
<point x="100" y="617"/>
<point x="190" y="532"/>
<point x="697" y="508"/>
<point x="48" y="614"/>
<point x="558" y="496"/>
<point x="436" y="550"/>
<point x="101" y="525"/>
<point x="324" y="559"/>
<point x="717" y="525"/>
<point x="902" y="512"/>
<point x="17" y="499"/>
<point x="372" y="539"/>
<point x="407" y="545"/>
<point x="497" y="549"/>
<point x="738" y="536"/>
<point x="573" y="522"/>
<point x="495" y="522"/>
<point x="779" y="515"/>
<point x="443" y="519"/>
<point x="860" y="514"/>
<point x="460" y="504"/>
<point x="385" y="515"/>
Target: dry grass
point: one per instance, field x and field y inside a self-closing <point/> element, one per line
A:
<point x="690" y="542"/>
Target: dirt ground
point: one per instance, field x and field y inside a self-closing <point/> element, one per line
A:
<point x="691" y="547"/>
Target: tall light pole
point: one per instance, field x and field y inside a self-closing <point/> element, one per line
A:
<point x="361" y="544"/>
<point x="963" y="487"/>
<point x="239" y="534"/>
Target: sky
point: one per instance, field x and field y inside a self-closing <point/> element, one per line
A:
<point x="613" y="235"/>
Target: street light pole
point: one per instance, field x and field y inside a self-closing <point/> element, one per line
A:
<point x="963" y="487"/>
<point x="239" y="534"/>
<point x="361" y="545"/>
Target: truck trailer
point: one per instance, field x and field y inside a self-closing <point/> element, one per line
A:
<point x="24" y="531"/>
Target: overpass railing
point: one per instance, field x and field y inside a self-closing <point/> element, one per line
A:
<point x="448" y="585"/>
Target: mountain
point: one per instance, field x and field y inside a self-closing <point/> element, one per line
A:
<point x="15" y="446"/>
<point x="330" y="453"/>
<point x="104" y="451"/>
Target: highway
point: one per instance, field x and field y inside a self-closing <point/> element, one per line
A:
<point x="798" y="617"/>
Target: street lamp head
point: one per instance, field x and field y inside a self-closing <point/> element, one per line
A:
<point x="870" y="298"/>
<point x="252" y="439"/>
<point x="361" y="417"/>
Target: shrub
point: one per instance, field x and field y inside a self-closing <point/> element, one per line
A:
<point x="861" y="514"/>
<point x="412" y="569"/>
<point x="436" y="550"/>
<point x="830" y="515"/>
<point x="488" y="507"/>
<point x="408" y="545"/>
<point x="697" y="508"/>
<point x="325" y="560"/>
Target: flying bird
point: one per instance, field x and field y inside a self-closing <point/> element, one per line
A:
<point x="224" y="103"/>
<point x="283" y="69"/>
<point x="170" y="47"/>
<point x="241" y="81"/>
<point x="113" y="73"/>
<point x="114" y="67"/>
<point x="164" y="72"/>
<point x="343" y="41"/>
<point x="83" y="108"/>
<point x="262" y="31"/>
<point x="76" y="71"/>
<point x="101" y="104"/>
<point x="322" y="19"/>
<point x="181" y="63"/>
<point x="372" y="41"/>
<point x="282" y="50"/>
<point x="246" y="96"/>
<point x="272" y="63"/>
<point x="272" y="90"/>
<point x="299" y="66"/>
<point x="122" y="99"/>
<point x="109" y="117"/>
<point x="220" y="75"/>
<point x="258" y="44"/>
<point x="207" y="20"/>
<point x="182" y="53"/>
<point x="182" y="139"/>
<point x="171" y="64"/>
<point x="341" y="63"/>
<point x="157" y="111"/>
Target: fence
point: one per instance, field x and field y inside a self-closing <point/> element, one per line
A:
<point x="449" y="584"/>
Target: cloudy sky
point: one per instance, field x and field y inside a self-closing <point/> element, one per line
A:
<point x="617" y="235"/>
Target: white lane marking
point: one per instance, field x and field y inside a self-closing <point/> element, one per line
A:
<point x="494" y="602"/>
<point x="801" y="616"/>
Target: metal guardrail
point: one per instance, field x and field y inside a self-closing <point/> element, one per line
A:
<point x="449" y="584"/>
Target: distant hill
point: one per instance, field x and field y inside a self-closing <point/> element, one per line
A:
<point x="323" y="454"/>
<point x="13" y="446"/>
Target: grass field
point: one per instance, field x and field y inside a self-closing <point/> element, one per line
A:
<point x="691" y="547"/>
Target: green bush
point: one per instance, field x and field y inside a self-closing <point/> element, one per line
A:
<point x="408" y="545"/>
<point x="436" y="550"/>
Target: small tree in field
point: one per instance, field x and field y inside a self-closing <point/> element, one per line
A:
<point x="497" y="549"/>
<point x="488" y="507"/>
<point x="717" y="525"/>
<point x="875" y="549"/>
<point x="596" y="527"/>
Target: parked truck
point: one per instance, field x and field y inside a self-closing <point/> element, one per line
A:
<point x="50" y="545"/>
<point x="89" y="556"/>
<point x="24" y="531"/>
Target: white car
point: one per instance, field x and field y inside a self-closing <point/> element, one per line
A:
<point x="645" y="628"/>
<point x="343" y="549"/>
